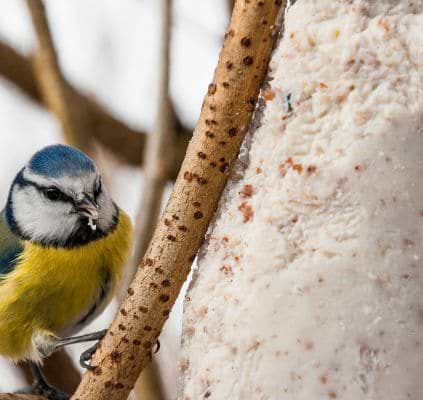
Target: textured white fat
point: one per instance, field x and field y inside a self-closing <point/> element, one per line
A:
<point x="42" y="219"/>
<point x="319" y="295"/>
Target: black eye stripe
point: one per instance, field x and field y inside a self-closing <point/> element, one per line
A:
<point x="43" y="190"/>
<point x="54" y="194"/>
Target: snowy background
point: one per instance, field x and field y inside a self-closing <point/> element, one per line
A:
<point x="109" y="49"/>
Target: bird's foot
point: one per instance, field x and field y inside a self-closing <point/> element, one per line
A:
<point x="89" y="337"/>
<point x="85" y="357"/>
<point x="45" y="390"/>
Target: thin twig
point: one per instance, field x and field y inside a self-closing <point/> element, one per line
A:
<point x="125" y="143"/>
<point x="224" y="120"/>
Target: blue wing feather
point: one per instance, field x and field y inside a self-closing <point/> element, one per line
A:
<point x="10" y="247"/>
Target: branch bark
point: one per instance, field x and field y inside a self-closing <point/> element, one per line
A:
<point x="17" y="396"/>
<point x="224" y="120"/>
<point x="231" y="5"/>
<point x="125" y="143"/>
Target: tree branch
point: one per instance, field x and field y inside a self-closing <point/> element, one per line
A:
<point x="67" y="377"/>
<point x="55" y="90"/>
<point x="52" y="84"/>
<point x="18" y="69"/>
<point x="159" y="152"/>
<point x="231" y="5"/>
<point x="17" y="396"/>
<point x="125" y="143"/>
<point x="224" y="120"/>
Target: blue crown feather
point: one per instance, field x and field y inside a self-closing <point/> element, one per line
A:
<point x="59" y="160"/>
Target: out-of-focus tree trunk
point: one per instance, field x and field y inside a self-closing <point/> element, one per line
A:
<point x="310" y="284"/>
<point x="159" y="159"/>
<point x="159" y="151"/>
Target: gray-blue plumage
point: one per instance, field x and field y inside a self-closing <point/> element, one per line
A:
<point x="58" y="160"/>
<point x="10" y="247"/>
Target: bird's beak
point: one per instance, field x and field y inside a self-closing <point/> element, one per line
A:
<point x="88" y="208"/>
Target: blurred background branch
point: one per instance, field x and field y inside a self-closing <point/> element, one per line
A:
<point x="16" y="396"/>
<point x="159" y="152"/>
<point x="52" y="84"/>
<point x="18" y="70"/>
<point x="67" y="377"/>
<point x="55" y="91"/>
<point x="125" y="143"/>
<point x="159" y="157"/>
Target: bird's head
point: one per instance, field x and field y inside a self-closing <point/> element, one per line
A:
<point x="58" y="199"/>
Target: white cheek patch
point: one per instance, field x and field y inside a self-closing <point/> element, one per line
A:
<point x="41" y="219"/>
<point x="47" y="221"/>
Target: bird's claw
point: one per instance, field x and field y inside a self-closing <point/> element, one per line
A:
<point x="85" y="357"/>
<point x="158" y="347"/>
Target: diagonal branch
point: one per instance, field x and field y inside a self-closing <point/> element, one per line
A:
<point x="18" y="69"/>
<point x="126" y="143"/>
<point x="16" y="396"/>
<point x="230" y="5"/>
<point x="224" y="119"/>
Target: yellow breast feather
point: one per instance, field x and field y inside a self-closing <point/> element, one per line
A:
<point x="51" y="289"/>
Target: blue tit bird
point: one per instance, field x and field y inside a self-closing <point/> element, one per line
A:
<point x="63" y="245"/>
